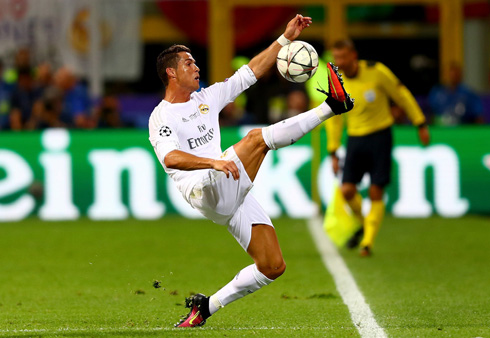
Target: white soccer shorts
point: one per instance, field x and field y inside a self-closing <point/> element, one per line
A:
<point x="228" y="202"/>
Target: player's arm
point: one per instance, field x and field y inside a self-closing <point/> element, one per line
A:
<point x="404" y="99"/>
<point x="177" y="159"/>
<point x="261" y="63"/>
<point x="163" y="138"/>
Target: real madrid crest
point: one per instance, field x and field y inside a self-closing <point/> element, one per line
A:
<point x="203" y="108"/>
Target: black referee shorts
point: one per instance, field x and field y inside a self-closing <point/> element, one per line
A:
<point x="369" y="154"/>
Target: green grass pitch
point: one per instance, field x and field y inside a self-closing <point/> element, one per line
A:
<point x="427" y="278"/>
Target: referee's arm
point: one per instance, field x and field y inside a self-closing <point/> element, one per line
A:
<point x="404" y="99"/>
<point x="400" y="94"/>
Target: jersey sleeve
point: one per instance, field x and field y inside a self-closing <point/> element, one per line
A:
<point x="163" y="136"/>
<point x="400" y="94"/>
<point x="228" y="90"/>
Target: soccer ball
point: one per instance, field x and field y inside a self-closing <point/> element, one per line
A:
<point x="297" y="62"/>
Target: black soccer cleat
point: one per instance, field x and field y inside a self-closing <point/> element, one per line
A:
<point x="199" y="305"/>
<point x="337" y="98"/>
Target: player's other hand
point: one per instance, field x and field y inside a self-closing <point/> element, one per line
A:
<point x="296" y="26"/>
<point x="227" y="167"/>
<point x="424" y="135"/>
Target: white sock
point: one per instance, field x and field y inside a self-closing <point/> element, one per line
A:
<point x="247" y="281"/>
<point x="289" y="131"/>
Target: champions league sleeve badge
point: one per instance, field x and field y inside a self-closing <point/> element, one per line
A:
<point x="165" y="131"/>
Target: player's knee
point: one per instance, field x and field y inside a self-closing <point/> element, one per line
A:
<point x="349" y="191"/>
<point x="273" y="270"/>
<point x="255" y="136"/>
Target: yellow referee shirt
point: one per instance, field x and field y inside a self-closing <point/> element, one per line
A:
<point x="372" y="88"/>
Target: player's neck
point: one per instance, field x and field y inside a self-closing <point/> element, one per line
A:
<point x="177" y="95"/>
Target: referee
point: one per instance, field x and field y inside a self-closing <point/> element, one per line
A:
<point x="370" y="140"/>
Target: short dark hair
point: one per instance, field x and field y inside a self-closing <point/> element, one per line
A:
<point x="169" y="59"/>
<point x="345" y="43"/>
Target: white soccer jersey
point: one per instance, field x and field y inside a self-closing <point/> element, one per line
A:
<point x="193" y="126"/>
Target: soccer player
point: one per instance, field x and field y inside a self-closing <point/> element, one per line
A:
<point x="369" y="135"/>
<point x="185" y="135"/>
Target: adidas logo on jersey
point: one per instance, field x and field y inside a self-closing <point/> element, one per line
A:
<point x="194" y="115"/>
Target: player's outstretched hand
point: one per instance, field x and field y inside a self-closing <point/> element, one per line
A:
<point x="296" y="26"/>
<point x="227" y="167"/>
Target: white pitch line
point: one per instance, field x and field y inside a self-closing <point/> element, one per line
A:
<point x="68" y="330"/>
<point x="361" y="314"/>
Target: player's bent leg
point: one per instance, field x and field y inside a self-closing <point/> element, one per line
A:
<point x="253" y="230"/>
<point x="269" y="265"/>
<point x="373" y="220"/>
<point x="265" y="251"/>
<point x="251" y="150"/>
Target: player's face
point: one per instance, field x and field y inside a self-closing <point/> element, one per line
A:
<point x="187" y="72"/>
<point x="344" y="58"/>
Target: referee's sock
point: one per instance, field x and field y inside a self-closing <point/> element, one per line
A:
<point x="355" y="205"/>
<point x="247" y="281"/>
<point x="288" y="131"/>
<point x="372" y="223"/>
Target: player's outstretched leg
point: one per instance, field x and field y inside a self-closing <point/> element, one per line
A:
<point x="291" y="130"/>
<point x="252" y="149"/>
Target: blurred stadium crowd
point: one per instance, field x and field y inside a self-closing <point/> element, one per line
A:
<point x="37" y="95"/>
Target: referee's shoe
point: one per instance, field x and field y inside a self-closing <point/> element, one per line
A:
<point x="337" y="98"/>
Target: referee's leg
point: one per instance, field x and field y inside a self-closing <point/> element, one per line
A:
<point x="374" y="219"/>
